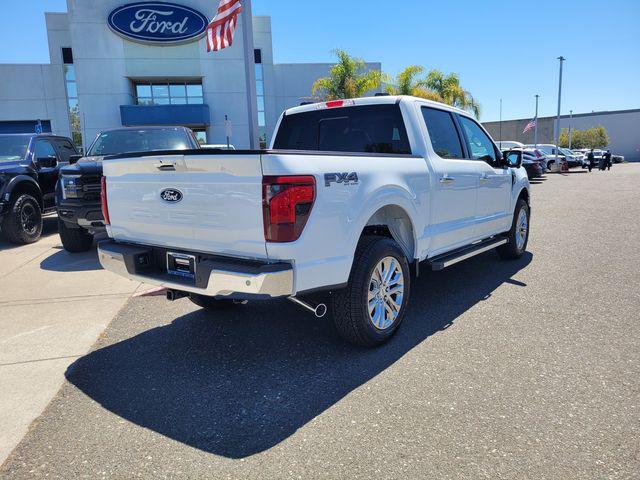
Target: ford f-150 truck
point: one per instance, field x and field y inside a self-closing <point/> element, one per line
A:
<point x="351" y="196"/>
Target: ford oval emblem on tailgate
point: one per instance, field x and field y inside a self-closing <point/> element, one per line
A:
<point x="171" y="195"/>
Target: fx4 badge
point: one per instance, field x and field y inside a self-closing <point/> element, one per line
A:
<point x="345" y="178"/>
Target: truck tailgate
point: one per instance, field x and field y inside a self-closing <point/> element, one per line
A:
<point x="202" y="202"/>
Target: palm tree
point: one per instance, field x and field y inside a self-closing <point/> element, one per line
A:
<point x="349" y="78"/>
<point x="449" y="89"/>
<point x="409" y="83"/>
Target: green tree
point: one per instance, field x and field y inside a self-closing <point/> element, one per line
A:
<point x="596" y="137"/>
<point x="349" y="78"/>
<point x="408" y="82"/>
<point x="449" y="89"/>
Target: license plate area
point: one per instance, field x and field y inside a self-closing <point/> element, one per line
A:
<point x="181" y="264"/>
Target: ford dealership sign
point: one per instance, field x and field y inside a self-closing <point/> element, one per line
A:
<point x="157" y="22"/>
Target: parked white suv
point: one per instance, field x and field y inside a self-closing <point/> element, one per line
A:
<point x="351" y="193"/>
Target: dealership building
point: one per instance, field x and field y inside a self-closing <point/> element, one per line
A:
<point x="116" y="64"/>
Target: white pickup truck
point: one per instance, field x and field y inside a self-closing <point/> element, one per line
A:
<point x="350" y="197"/>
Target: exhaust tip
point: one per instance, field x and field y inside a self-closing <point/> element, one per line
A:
<point x="320" y="310"/>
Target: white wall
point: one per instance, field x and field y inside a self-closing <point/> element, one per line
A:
<point x="623" y="129"/>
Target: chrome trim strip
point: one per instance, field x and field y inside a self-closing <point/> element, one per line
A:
<point x="473" y="253"/>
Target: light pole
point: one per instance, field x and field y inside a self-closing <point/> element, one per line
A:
<point x="500" y="127"/>
<point x="557" y="129"/>
<point x="535" y="127"/>
<point x="570" y="120"/>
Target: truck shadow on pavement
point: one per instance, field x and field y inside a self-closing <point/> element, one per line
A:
<point x="243" y="382"/>
<point x="63" y="261"/>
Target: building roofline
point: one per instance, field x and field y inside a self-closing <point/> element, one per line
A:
<point x="575" y="115"/>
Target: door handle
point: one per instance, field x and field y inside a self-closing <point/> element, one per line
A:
<point x="484" y="177"/>
<point x="446" y="179"/>
<point x="164" y="166"/>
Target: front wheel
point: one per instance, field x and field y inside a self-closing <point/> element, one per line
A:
<point x="518" y="236"/>
<point x="74" y="240"/>
<point x="370" y="309"/>
<point x="23" y="222"/>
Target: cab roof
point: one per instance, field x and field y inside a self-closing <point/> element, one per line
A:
<point x="379" y="100"/>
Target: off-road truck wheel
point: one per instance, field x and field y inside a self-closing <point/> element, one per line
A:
<point x="518" y="236"/>
<point x="74" y="240"/>
<point x="23" y="221"/>
<point x="371" y="308"/>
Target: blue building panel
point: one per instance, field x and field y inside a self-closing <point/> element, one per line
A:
<point x="187" y="115"/>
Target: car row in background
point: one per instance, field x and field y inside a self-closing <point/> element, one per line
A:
<point x="78" y="193"/>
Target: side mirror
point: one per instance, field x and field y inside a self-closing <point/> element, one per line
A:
<point x="74" y="158"/>
<point x="512" y="159"/>
<point x="47" y="162"/>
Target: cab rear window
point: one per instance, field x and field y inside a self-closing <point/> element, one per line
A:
<point x="359" y="129"/>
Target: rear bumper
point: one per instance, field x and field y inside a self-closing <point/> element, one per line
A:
<point x="215" y="276"/>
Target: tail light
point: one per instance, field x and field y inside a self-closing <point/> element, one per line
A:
<point x="537" y="153"/>
<point x="103" y="200"/>
<point x="286" y="204"/>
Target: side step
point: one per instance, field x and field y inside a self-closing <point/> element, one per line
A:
<point x="447" y="259"/>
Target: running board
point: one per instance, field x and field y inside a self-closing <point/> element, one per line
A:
<point x="448" y="259"/>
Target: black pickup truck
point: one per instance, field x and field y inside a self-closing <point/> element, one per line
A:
<point x="29" y="168"/>
<point x="78" y="192"/>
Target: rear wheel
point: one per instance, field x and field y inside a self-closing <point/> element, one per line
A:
<point x="210" y="303"/>
<point x="371" y="308"/>
<point x="518" y="236"/>
<point x="23" y="222"/>
<point x="74" y="239"/>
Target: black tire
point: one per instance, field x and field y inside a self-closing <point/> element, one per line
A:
<point x="510" y="250"/>
<point x="210" y="303"/>
<point x="74" y="240"/>
<point x="350" y="307"/>
<point x="23" y="221"/>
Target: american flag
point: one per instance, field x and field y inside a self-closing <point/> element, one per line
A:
<point x="529" y="126"/>
<point x="221" y="29"/>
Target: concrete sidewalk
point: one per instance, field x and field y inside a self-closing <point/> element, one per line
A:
<point x="53" y="307"/>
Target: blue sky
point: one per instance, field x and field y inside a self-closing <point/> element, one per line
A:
<point x="500" y="49"/>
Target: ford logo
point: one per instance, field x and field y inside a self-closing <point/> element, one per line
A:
<point x="171" y="195"/>
<point x="157" y="22"/>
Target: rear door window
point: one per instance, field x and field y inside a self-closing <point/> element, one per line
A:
<point x="443" y="133"/>
<point x="358" y="129"/>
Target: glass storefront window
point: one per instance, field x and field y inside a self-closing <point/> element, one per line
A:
<point x="172" y="93"/>
<point x="143" y="91"/>
<point x="72" y="91"/>
<point x="177" y="91"/>
<point x="262" y="121"/>
<point x="194" y="90"/>
<point x="69" y="73"/>
<point x="160" y="91"/>
<point x="75" y="124"/>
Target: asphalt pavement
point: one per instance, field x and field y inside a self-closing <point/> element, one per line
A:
<point x="522" y="369"/>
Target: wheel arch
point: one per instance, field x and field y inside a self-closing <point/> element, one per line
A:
<point x="23" y="184"/>
<point x="393" y="221"/>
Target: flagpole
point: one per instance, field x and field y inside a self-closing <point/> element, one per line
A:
<point x="500" y="128"/>
<point x="535" y="131"/>
<point x="250" y="73"/>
